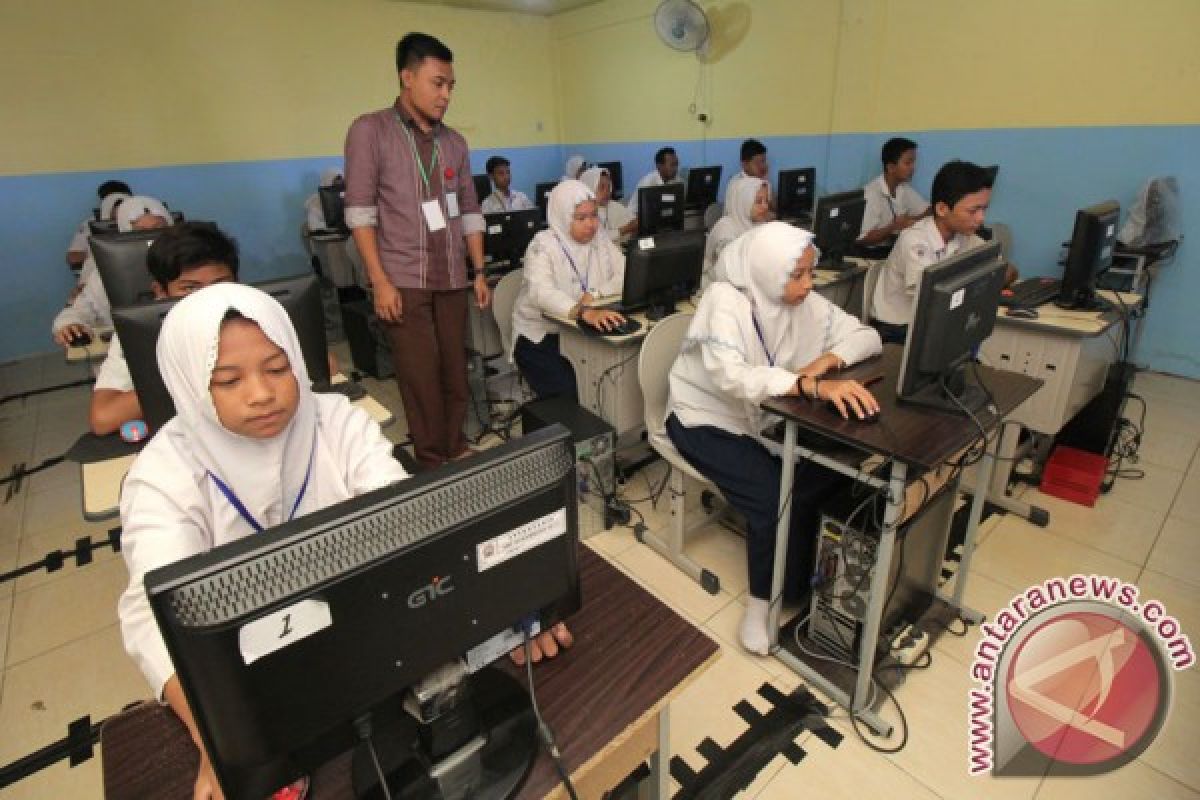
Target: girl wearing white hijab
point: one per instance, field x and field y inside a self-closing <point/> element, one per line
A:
<point x="615" y="218"/>
<point x="748" y="205"/>
<point x="764" y="333"/>
<point x="250" y="447"/>
<point x="90" y="308"/>
<point x="567" y="266"/>
<point x="314" y="213"/>
<point x="574" y="166"/>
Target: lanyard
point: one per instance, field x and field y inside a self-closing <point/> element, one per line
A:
<point x="762" y="339"/>
<point x="241" y="509"/>
<point x="583" y="279"/>
<point x="412" y="144"/>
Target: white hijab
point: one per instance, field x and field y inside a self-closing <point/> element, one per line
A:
<point x="590" y="178"/>
<point x="134" y="208"/>
<point x="759" y="264"/>
<point x="106" y="205"/>
<point x="740" y="204"/>
<point x="574" y="164"/>
<point x="266" y="475"/>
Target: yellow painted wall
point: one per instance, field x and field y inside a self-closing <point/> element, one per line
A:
<point x="799" y="67"/>
<point x="125" y="83"/>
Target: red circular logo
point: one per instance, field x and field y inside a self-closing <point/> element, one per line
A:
<point x="449" y="173"/>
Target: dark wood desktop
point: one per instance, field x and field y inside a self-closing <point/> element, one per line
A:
<point x="602" y="699"/>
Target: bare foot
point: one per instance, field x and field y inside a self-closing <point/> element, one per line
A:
<point x="544" y="645"/>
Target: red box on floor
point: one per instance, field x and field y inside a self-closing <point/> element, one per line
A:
<point x="1074" y="475"/>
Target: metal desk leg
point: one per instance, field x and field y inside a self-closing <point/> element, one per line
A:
<point x="968" y="548"/>
<point x="998" y="484"/>
<point x="658" y="785"/>
<point x="782" y="529"/>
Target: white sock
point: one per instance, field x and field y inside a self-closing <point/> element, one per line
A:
<point x="753" y="631"/>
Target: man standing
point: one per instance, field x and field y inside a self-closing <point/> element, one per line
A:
<point x="411" y="205"/>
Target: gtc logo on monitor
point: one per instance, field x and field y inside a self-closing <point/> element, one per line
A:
<point x="438" y="587"/>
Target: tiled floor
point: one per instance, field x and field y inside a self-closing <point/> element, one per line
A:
<point x="62" y="654"/>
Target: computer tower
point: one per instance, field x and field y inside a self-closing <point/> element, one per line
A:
<point x="595" y="464"/>
<point x="846" y="559"/>
<point x="1094" y="428"/>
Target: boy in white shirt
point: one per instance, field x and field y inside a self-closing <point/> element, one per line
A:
<point x="754" y="165"/>
<point x="892" y="204"/>
<point x="666" y="170"/>
<point x="503" y="198"/>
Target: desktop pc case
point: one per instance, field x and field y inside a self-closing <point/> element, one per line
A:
<point x="845" y="561"/>
<point x="595" y="463"/>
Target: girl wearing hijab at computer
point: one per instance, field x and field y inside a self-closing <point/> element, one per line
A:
<point x="251" y="447"/>
<point x="567" y="267"/>
<point x="762" y="334"/>
<point x="615" y="218"/>
<point x="90" y="308"/>
<point x="574" y="166"/>
<point x="747" y="206"/>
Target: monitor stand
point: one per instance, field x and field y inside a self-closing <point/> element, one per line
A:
<point x="954" y="394"/>
<point x="496" y="720"/>
<point x="1084" y="301"/>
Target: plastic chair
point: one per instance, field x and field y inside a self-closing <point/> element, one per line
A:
<point x="712" y="214"/>
<point x="659" y="351"/>
<point x="504" y="298"/>
<point x="874" y="270"/>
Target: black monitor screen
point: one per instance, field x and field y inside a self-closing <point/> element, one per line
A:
<point x="288" y="643"/>
<point x="614" y="174"/>
<point x="955" y="311"/>
<point x="702" y="185"/>
<point x="662" y="269"/>
<point x="121" y="262"/>
<point x="138" y="326"/>
<point x="1089" y="254"/>
<point x="660" y="209"/>
<point x="507" y="235"/>
<point x="542" y="196"/>
<point x="333" y="206"/>
<point x="837" y="222"/>
<point x="483" y="187"/>
<point x="102" y="227"/>
<point x="796" y="192"/>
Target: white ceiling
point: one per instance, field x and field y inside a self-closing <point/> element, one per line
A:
<point x="541" y="7"/>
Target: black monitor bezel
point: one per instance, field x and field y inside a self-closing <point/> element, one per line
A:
<point x="1089" y="253"/>
<point x="785" y="180"/>
<point x="848" y="208"/>
<point x="694" y="175"/>
<point x="657" y="270"/>
<point x="650" y="218"/>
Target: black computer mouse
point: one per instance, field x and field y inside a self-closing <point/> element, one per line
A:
<point x="829" y="404"/>
<point x="1022" y="313"/>
<point x="80" y="340"/>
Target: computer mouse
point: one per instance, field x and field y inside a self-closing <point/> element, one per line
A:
<point x="1022" y="313"/>
<point x="80" y="340"/>
<point x="853" y="418"/>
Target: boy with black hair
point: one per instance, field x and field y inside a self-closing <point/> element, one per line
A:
<point x="503" y="198"/>
<point x="77" y="250"/>
<point x="961" y="193"/>
<point x="753" y="155"/>
<point x="892" y="204"/>
<point x="186" y="257"/>
<point x="666" y="170"/>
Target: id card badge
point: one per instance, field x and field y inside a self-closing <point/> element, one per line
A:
<point x="452" y="204"/>
<point x="433" y="215"/>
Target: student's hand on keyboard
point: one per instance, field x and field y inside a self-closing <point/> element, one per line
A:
<point x="851" y="399"/>
<point x="602" y="318"/>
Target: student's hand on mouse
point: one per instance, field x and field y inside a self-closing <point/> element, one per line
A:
<point x="602" y="318"/>
<point x="65" y="334"/>
<point x="389" y="306"/>
<point x="544" y="645"/>
<point x="851" y="398"/>
<point x="483" y="292"/>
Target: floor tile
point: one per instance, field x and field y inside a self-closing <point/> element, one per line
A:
<point x="63" y="474"/>
<point x="5" y="618"/>
<point x="1018" y="554"/>
<point x="12" y="511"/>
<point x="59" y="509"/>
<point x="54" y="614"/>
<point x="92" y="676"/>
<point x="1179" y="598"/>
<point x="1156" y="491"/>
<point x="1132" y="780"/>
<point x="1160" y="386"/>
<point x="1187" y="502"/>
<point x="1113" y="526"/>
<point x="84" y="782"/>
<point x="1173" y="752"/>
<point x="35" y="547"/>
<point x="983" y="594"/>
<point x="677" y="590"/>
<point x="1177" y="551"/>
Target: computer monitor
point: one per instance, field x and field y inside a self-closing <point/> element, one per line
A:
<point x="1089" y="254"/>
<point x="333" y="206"/>
<point x="138" y="326"/>
<point x="541" y="193"/>
<point x="837" y="222"/>
<point x="483" y="187"/>
<point x="660" y="209"/>
<point x="795" y="193"/>
<point x="508" y="233"/>
<point x="955" y="311"/>
<point x="702" y="185"/>
<point x="614" y="174"/>
<point x="660" y="270"/>
<point x="291" y="643"/>
<point x="121" y="261"/>
<point x="102" y="227"/>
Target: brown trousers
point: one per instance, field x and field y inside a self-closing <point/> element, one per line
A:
<point x="429" y="353"/>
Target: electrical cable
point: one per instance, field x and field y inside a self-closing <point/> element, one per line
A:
<point x="544" y="732"/>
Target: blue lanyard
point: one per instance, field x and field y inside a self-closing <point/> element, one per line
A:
<point x="582" y="278"/>
<point x="241" y="509"/>
<point x="762" y="339"/>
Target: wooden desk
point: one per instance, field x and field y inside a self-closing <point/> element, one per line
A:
<point x="916" y="438"/>
<point x="606" y="699"/>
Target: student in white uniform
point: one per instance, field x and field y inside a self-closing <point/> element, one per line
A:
<point x="503" y="198"/>
<point x="753" y="155"/>
<point x="615" y="218"/>
<point x="567" y="266"/>
<point x="187" y="257"/>
<point x="764" y="333"/>
<point x="666" y="170"/>
<point x="110" y="193"/>
<point x="892" y="204"/>
<point x="961" y="193"/>
<point x="747" y="207"/>
<point x="574" y="166"/>
<point x="90" y="309"/>
<point x="314" y="212"/>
